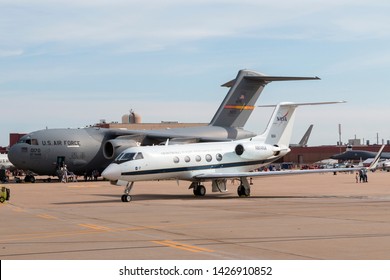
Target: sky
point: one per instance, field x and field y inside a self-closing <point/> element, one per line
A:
<point x="68" y="63"/>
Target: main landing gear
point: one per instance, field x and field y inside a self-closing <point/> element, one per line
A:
<point x="199" y="190"/>
<point x="244" y="189"/>
<point x="243" y="192"/>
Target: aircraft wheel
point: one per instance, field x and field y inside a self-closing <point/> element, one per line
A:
<point x="29" y="178"/>
<point x="2" y="199"/>
<point x="126" y="198"/>
<point x="242" y="191"/>
<point x="200" y="190"/>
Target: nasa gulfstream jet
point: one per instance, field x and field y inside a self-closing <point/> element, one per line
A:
<point x="88" y="149"/>
<point x="215" y="162"/>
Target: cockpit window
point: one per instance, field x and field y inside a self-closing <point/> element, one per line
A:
<point x="28" y="140"/>
<point x="128" y="156"/>
<point x="139" y="156"/>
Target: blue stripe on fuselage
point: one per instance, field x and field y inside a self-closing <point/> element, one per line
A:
<point x="194" y="168"/>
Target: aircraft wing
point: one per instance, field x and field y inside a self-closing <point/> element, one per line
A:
<point x="188" y="134"/>
<point x="272" y="173"/>
<point x="288" y="172"/>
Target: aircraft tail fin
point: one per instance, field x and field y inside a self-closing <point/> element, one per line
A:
<point x="374" y="163"/>
<point x="240" y="101"/>
<point x="280" y="126"/>
<point x="305" y="137"/>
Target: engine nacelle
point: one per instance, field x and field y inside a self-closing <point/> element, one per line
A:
<point x="254" y="150"/>
<point x="112" y="148"/>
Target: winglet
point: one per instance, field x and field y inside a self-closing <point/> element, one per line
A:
<point x="374" y="163"/>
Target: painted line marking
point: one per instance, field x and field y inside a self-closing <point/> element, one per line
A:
<point x="239" y="107"/>
<point x="18" y="209"/>
<point x="47" y="216"/>
<point x="96" y="227"/>
<point x="182" y="246"/>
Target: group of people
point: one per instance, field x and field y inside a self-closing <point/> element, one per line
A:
<point x="361" y="176"/>
<point x="93" y="176"/>
<point x="67" y="176"/>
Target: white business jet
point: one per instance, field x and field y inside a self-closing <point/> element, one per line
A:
<point x="215" y="162"/>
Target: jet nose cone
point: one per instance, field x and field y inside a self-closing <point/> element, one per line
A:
<point x="112" y="172"/>
<point x="14" y="155"/>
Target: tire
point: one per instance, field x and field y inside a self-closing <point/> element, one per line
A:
<point x="200" y="190"/>
<point x="126" y="198"/>
<point x="242" y="191"/>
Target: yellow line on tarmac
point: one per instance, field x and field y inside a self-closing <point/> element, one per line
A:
<point x="182" y="246"/>
<point x="34" y="236"/>
<point x="48" y="217"/>
<point x="18" y="209"/>
<point x="96" y="227"/>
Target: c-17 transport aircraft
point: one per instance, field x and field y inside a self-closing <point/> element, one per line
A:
<point x="88" y="149"/>
<point x="215" y="162"/>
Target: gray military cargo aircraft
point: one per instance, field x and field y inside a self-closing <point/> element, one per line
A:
<point x="84" y="150"/>
<point x="358" y="155"/>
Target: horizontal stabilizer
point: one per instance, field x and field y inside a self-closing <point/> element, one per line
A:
<point x="267" y="79"/>
<point x="304" y="104"/>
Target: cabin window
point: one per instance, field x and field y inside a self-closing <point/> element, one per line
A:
<point x="198" y="158"/>
<point x="208" y="158"/>
<point x="219" y="157"/>
<point x="187" y="159"/>
<point x="34" y="142"/>
<point x="176" y="160"/>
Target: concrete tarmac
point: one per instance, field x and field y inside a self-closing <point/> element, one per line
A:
<point x="303" y="217"/>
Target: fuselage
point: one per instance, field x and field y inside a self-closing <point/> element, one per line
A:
<point x="185" y="162"/>
<point x="44" y="151"/>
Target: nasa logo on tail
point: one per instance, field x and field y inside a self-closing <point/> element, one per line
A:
<point x="282" y="118"/>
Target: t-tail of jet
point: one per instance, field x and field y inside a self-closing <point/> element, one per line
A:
<point x="280" y="127"/>
<point x="240" y="101"/>
<point x="305" y="138"/>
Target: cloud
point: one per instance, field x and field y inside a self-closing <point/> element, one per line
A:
<point x="10" y="52"/>
<point x="56" y="52"/>
<point x="155" y="25"/>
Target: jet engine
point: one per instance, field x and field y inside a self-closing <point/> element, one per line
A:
<point x="112" y="148"/>
<point x="254" y="150"/>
